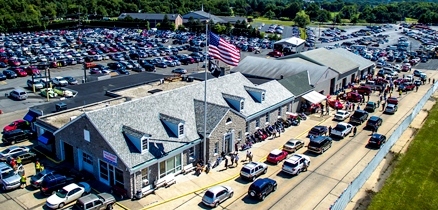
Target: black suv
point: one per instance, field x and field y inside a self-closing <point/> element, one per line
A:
<point x="262" y="188"/>
<point x="54" y="182"/>
<point x="359" y="116"/>
<point x="377" y="140"/>
<point x="320" y="144"/>
<point x="17" y="135"/>
<point x="318" y="130"/>
<point x="374" y="122"/>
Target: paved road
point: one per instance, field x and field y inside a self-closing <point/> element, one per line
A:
<point x="328" y="175"/>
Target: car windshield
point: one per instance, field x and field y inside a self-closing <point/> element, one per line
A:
<point x="274" y="155"/>
<point x="340" y="127"/>
<point x="40" y="175"/>
<point x="340" y="113"/>
<point x="8" y="174"/>
<point x="61" y="193"/>
<point x="290" y="144"/>
<point x="209" y="194"/>
<point x="357" y="114"/>
<point x="289" y="164"/>
<point x="246" y="170"/>
<point x="374" y="139"/>
<point x="315" y="130"/>
<point x="6" y="151"/>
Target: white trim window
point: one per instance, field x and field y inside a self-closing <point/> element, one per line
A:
<point x="279" y="111"/>
<point x="181" y="130"/>
<point x="258" y="122"/>
<point x="118" y="174"/>
<point x="145" y="177"/>
<point x="170" y="166"/>
<point x="267" y="117"/>
<point x="242" y="105"/>
<point x="103" y="170"/>
<point x="86" y="135"/>
<point x="86" y="158"/>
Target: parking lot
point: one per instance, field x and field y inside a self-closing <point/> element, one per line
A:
<point x="30" y="198"/>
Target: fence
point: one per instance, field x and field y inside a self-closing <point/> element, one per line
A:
<point x="357" y="183"/>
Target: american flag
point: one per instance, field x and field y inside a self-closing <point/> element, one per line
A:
<point x="224" y="51"/>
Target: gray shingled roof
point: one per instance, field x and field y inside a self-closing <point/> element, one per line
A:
<point x="133" y="132"/>
<point x="143" y="114"/>
<point x="202" y="16"/>
<point x="148" y="16"/>
<point x="273" y="69"/>
<point x="297" y="84"/>
<point x="232" y="19"/>
<point x="215" y="113"/>
<point x="316" y="76"/>
<point x="327" y="58"/>
<point x="363" y="63"/>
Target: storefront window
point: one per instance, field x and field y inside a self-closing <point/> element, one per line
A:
<point x="170" y="165"/>
<point x="119" y="177"/>
<point x="103" y="170"/>
<point x="145" y="177"/>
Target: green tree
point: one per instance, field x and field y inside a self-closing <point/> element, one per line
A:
<point x="368" y="15"/>
<point x="312" y="10"/>
<point x="348" y="11"/>
<point x="302" y="19"/>
<point x="354" y="19"/>
<point x="291" y="10"/>
<point x="323" y="16"/>
<point x="269" y="14"/>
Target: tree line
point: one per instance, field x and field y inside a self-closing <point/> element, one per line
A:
<point x="30" y="13"/>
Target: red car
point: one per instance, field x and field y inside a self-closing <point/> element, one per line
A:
<point x="17" y="124"/>
<point x="20" y="72"/>
<point x="276" y="156"/>
<point x="353" y="97"/>
<point x="366" y="90"/>
<point x="32" y="70"/>
<point x="275" y="54"/>
<point x="335" y="104"/>
<point x="392" y="100"/>
<point x="409" y="86"/>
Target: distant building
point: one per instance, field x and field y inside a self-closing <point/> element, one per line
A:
<point x="203" y="16"/>
<point x="153" y="18"/>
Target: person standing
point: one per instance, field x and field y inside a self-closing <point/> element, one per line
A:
<point x="400" y="93"/>
<point x="433" y="81"/>
<point x="37" y="166"/>
<point x="354" y="131"/>
<point x="236" y="159"/>
<point x="354" y="106"/>
<point x="226" y="163"/>
<point x="330" y="130"/>
<point x="383" y="106"/>
<point x="19" y="160"/>
<point x="232" y="158"/>
<point x="23" y="181"/>
<point x="236" y="146"/>
<point x="429" y="80"/>
<point x="378" y="103"/>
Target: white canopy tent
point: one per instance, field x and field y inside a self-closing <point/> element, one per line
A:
<point x="314" y="97"/>
<point x="294" y="41"/>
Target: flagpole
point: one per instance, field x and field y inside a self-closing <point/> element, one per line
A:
<point x="205" y="93"/>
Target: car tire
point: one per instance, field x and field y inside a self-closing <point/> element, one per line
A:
<point x="12" y="142"/>
<point x="298" y="173"/>
<point x="61" y="205"/>
<point x="263" y="197"/>
<point x="231" y="195"/>
<point x="265" y="171"/>
<point x="109" y="207"/>
<point x="253" y="178"/>
<point x="275" y="188"/>
<point x="216" y="204"/>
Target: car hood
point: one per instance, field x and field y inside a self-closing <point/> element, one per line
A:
<point x="54" y="199"/>
<point x="12" y="179"/>
<point x="8" y="128"/>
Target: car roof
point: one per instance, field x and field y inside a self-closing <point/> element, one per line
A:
<point x="391" y="105"/>
<point x="294" y="158"/>
<point x="70" y="187"/>
<point x="319" y="126"/>
<point x="293" y="141"/>
<point x="216" y="189"/>
<point x="343" y="123"/>
<point x="370" y="102"/>
<point x="276" y="152"/>
<point x="88" y="198"/>
<point x="319" y="139"/>
<point x="372" y="118"/>
<point x="377" y="136"/>
<point x="251" y="165"/>
<point x="262" y="181"/>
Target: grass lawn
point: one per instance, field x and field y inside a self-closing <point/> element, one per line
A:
<point x="413" y="183"/>
<point x="411" y="20"/>
<point x="269" y="22"/>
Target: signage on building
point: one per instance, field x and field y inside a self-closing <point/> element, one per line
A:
<point x="110" y="158"/>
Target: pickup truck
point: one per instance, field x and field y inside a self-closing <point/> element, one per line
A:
<point x="17" y="135"/>
<point x="92" y="201"/>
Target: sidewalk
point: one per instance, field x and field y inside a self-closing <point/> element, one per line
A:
<point x="191" y="184"/>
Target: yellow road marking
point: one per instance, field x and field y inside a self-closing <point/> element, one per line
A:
<point x="3" y="83"/>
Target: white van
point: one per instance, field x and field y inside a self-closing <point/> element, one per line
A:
<point x="97" y="58"/>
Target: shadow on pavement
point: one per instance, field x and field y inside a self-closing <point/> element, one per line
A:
<point x="242" y="181"/>
<point x="203" y="206"/>
<point x="310" y="154"/>
<point x="39" y="195"/>
<point x="284" y="175"/>
<point x="248" y="200"/>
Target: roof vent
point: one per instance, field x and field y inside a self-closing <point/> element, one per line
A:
<point x="73" y="117"/>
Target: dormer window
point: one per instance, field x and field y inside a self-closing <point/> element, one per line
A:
<point x="144" y="144"/>
<point x="263" y="96"/>
<point x="242" y="103"/>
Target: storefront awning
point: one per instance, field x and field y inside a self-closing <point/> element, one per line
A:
<point x="46" y="137"/>
<point x="30" y="116"/>
<point x="314" y="97"/>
